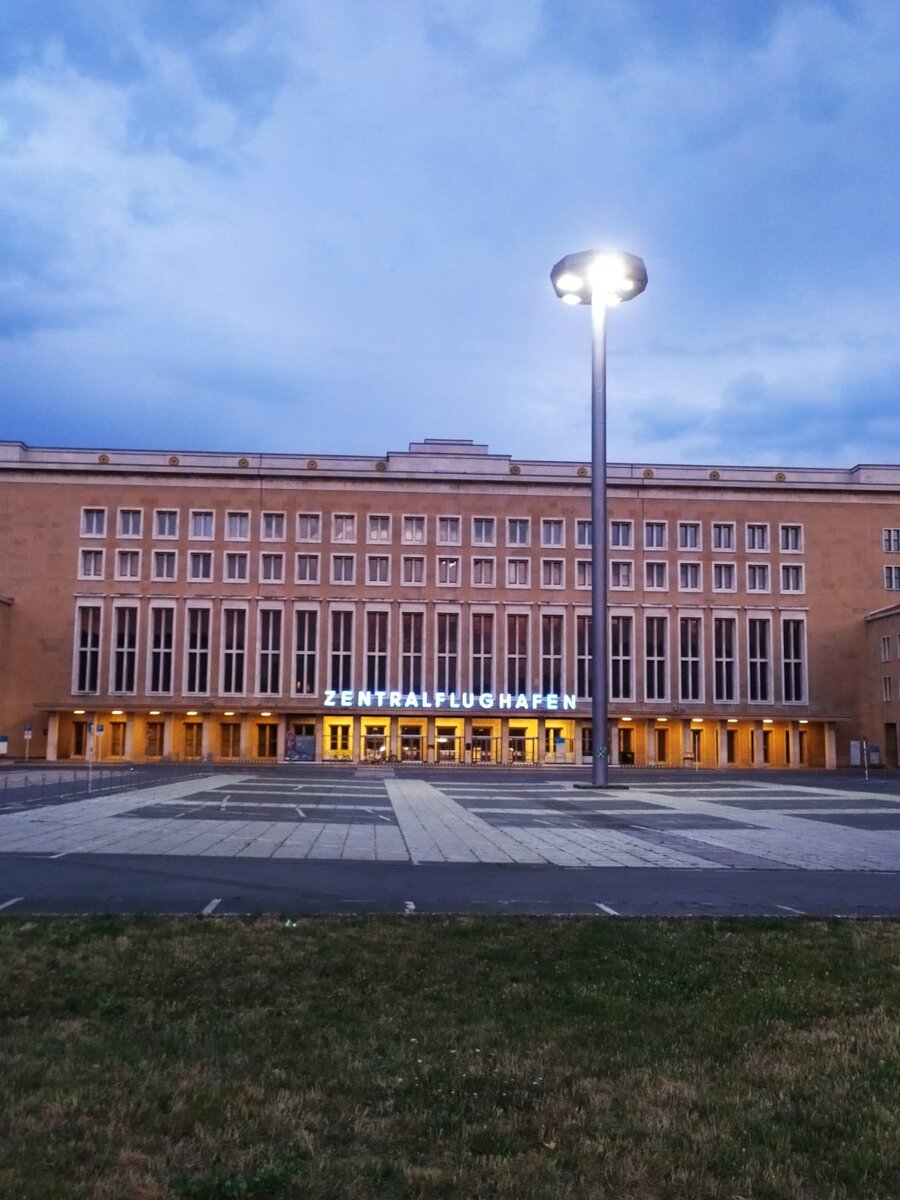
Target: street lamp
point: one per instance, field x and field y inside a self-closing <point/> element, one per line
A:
<point x="602" y="279"/>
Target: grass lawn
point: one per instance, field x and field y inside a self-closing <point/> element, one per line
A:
<point x="472" y="1058"/>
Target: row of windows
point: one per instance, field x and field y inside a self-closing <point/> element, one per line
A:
<point x="448" y="529"/>
<point x="322" y="654"/>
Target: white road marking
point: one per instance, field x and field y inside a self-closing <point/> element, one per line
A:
<point x="300" y="813"/>
<point x="787" y="908"/>
<point x="408" y="908"/>
<point x="213" y="904"/>
<point x="10" y="903"/>
<point x="611" y="912"/>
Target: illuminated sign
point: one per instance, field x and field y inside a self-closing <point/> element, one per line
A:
<point x="551" y="702"/>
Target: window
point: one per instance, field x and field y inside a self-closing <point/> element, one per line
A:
<point x="343" y="568"/>
<point x="517" y="653"/>
<point x="379" y="528"/>
<point x="724" y="577"/>
<point x="892" y="578"/>
<point x="758" y="640"/>
<point x="483" y="572"/>
<point x="413" y="569"/>
<point x="197" y="681"/>
<point x="162" y="639"/>
<point x="341" y="650"/>
<point x="689" y="577"/>
<point x="414" y="530"/>
<point x="757" y="537"/>
<point x="343" y="527"/>
<point x="552" y="573"/>
<point x="483" y="531"/>
<point x="271" y="568"/>
<point x="128" y="564"/>
<point x="791" y="577"/>
<point x="688" y="535"/>
<point x="689" y="642"/>
<point x="655" y="535"/>
<point x="309" y="527"/>
<point x="583" y="656"/>
<point x="272" y="529"/>
<point x="125" y="625"/>
<point x="165" y="523"/>
<point x="376" y="651"/>
<point x="620" y="575"/>
<point x="266" y="741"/>
<point x="87" y="662"/>
<point x="656" y="576"/>
<point x="724" y="644"/>
<point x="165" y="564"/>
<point x="378" y="568"/>
<point x="447" y="651"/>
<point x="583" y="568"/>
<point x="620" y="630"/>
<point x="892" y="541"/>
<point x="655" y="666"/>
<point x="793" y="640"/>
<point x="482" y="652"/>
<point x="518" y="531"/>
<point x="620" y="534"/>
<point x="234" y="645"/>
<point x="552" y="533"/>
<point x="723" y="535"/>
<point x="448" y="571"/>
<point x="886" y="687"/>
<point x="306" y="624"/>
<point x="269" y="652"/>
<point x="130" y="520"/>
<point x="93" y="522"/>
<point x="412" y="634"/>
<point x="307" y="568"/>
<point x="201" y="524"/>
<point x="90" y="565"/>
<point x="448" y="531"/>
<point x="551" y="654"/>
<point x="886" y="649"/>
<point x="517" y="572"/>
<point x="200" y="566"/>
<point x="584" y="536"/>
<point x="757" y="577"/>
<point x="235" y="568"/>
<point x="792" y="537"/>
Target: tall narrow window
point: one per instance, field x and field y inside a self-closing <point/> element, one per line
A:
<point x="724" y="636"/>
<point x="482" y="652"/>
<point x="376" y="651"/>
<point x="270" y="652"/>
<point x="656" y="669"/>
<point x="87" y="674"/>
<point x="162" y="625"/>
<point x="341" y="650"/>
<point x="792" y="634"/>
<point x="447" y="651"/>
<point x="305" y="657"/>
<point x="551" y="654"/>
<point x="197" y="650"/>
<point x="125" y="650"/>
<point x="517" y="652"/>
<point x="583" y="652"/>
<point x="620" y="629"/>
<point x="689" y="634"/>
<point x="234" y="648"/>
<point x="411" y="650"/>
<point x="758" y="639"/>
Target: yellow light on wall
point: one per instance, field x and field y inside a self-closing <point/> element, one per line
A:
<point x="662" y="719"/>
<point x="265" y="714"/>
<point x="696" y="720"/>
<point x="192" y="712"/>
<point x="154" y="712"/>
<point x="228" y="714"/>
<point x="767" y="721"/>
<point x="117" y="712"/>
<point x="78" y="712"/>
<point x="624" y="718"/>
<point x="732" y="720"/>
<point x="803" y="721"/>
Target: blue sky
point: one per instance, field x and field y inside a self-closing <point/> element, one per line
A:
<point x="312" y="226"/>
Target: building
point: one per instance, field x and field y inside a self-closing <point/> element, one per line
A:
<point x="433" y="605"/>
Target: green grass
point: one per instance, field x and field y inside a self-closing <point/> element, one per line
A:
<point x="442" y="1058"/>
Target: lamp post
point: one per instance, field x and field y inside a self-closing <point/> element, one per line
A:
<point x="603" y="279"/>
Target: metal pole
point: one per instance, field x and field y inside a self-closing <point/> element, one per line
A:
<point x="599" y="554"/>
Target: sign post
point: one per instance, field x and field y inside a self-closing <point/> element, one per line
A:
<point x="27" y="735"/>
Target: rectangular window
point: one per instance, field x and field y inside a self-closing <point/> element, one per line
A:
<point x="886" y="687"/>
<point x="792" y="537"/>
<point x="689" y="643"/>
<point x="758" y="642"/>
<point x="483" y="531"/>
<point x="583" y="569"/>
<point x="689" y="577"/>
<point x="892" y="541"/>
<point x="165" y="564"/>
<point x="414" y="530"/>
<point x="198" y="621"/>
<point x="307" y="626"/>
<point x="518" y="531"/>
<point x="128" y="564"/>
<point x="272" y="527"/>
<point x="162" y="643"/>
<point x="724" y="657"/>
<point x="552" y="573"/>
<point x="379" y="528"/>
<point x="266" y="741"/>
<point x="448" y="531"/>
<point x="447" y="651"/>
<point x="341" y="651"/>
<point x="724" y="577"/>
<point x="201" y="524"/>
<point x="413" y="569"/>
<point x="154" y="739"/>
<point x="200" y="566"/>
<point x="482" y="652"/>
<point x="307" y="568"/>
<point x="343" y="568"/>
<point x="620" y="654"/>
<point x="793" y="645"/>
<point x="236" y="568"/>
<point x="271" y="568"/>
<point x="87" y="673"/>
<point x="886" y="649"/>
<point x="270" y="625"/>
<point x="688" y="535"/>
<point x="656" y="576"/>
<point x="378" y="568"/>
<point x="655" y="535"/>
<point x="552" y="533"/>
<point x="165" y="523"/>
<point x="583" y="654"/>
<point x="792" y="577"/>
<point x="412" y="632"/>
<point x="757" y="537"/>
<point x="309" y="527"/>
<point x="376" y="651"/>
<point x="892" y="578"/>
<point x="551" y="654"/>
<point x="620" y="534"/>
<point x="90" y="564"/>
<point x="757" y="577"/>
<point x="93" y="522"/>
<point x="343" y="527"/>
<point x="517" y="572"/>
<point x="448" y="571"/>
<point x="620" y="575"/>
<point x="584" y="537"/>
<point x="125" y="623"/>
<point x="517" y="653"/>
<point x="655" y="658"/>
<point x="130" y="520"/>
<point x="234" y="648"/>
<point x="482" y="572"/>
<point x="723" y="535"/>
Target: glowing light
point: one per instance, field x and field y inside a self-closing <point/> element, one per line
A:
<point x="570" y="282"/>
<point x="117" y="712"/>
<point x="192" y="712"/>
<point x="79" y="712"/>
<point x="571" y="298"/>
<point x="732" y="721"/>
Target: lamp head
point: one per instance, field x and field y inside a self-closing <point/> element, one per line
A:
<point x="610" y="274"/>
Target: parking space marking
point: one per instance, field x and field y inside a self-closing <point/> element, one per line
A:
<point x="610" y="912"/>
<point x="10" y="903"/>
<point x="213" y="904"/>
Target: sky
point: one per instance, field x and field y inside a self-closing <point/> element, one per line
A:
<point x="327" y="226"/>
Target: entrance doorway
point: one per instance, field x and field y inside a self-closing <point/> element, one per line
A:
<point x="626" y="746"/>
<point x="890" y="745"/>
